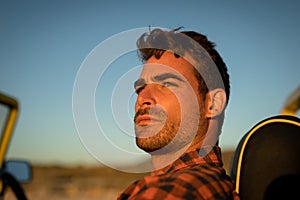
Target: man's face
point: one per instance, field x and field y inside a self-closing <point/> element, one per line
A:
<point x="167" y="109"/>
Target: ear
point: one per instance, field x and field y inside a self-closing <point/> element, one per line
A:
<point x="215" y="102"/>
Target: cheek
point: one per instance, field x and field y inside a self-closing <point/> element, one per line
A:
<point x="188" y="102"/>
<point x="136" y="107"/>
<point x="173" y="107"/>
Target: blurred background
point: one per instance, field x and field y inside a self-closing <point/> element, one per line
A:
<point x="44" y="43"/>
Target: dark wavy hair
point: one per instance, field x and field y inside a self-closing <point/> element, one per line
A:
<point x="157" y="41"/>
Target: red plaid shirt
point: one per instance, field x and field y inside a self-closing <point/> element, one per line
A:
<point x="189" y="177"/>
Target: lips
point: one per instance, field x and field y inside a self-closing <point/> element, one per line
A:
<point x="144" y="120"/>
<point x="144" y="117"/>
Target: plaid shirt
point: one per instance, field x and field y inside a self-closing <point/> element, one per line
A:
<point x="189" y="177"/>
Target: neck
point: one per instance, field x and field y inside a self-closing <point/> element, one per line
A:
<point x="162" y="160"/>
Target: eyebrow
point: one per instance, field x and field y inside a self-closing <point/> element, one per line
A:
<point x="139" y="82"/>
<point x="165" y="76"/>
<point x="161" y="77"/>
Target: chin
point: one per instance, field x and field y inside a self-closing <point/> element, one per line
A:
<point x="159" y="148"/>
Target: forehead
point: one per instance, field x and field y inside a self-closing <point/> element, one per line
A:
<point x="167" y="63"/>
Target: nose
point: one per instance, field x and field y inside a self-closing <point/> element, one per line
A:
<point x="146" y="97"/>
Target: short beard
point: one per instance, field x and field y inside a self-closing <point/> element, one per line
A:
<point x="158" y="142"/>
<point x="170" y="138"/>
<point x="151" y="138"/>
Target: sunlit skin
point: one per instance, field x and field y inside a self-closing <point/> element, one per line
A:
<point x="168" y="89"/>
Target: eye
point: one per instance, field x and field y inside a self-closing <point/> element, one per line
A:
<point x="139" y="89"/>
<point x="168" y="84"/>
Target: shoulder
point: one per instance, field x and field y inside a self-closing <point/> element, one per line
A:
<point x="207" y="181"/>
<point x="199" y="182"/>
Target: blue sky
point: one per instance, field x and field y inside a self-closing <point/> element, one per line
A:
<point x="43" y="45"/>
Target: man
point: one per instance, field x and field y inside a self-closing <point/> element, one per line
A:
<point x="182" y="93"/>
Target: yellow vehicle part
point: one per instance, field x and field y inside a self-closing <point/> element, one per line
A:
<point x="292" y="103"/>
<point x="10" y="122"/>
